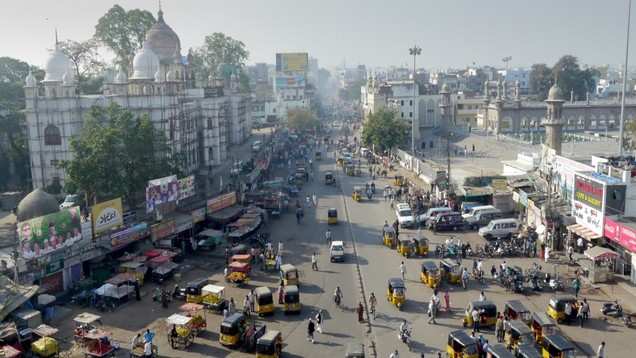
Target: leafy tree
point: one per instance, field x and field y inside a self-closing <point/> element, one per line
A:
<point x="302" y="120"/>
<point x="570" y="77"/>
<point x="124" y="31"/>
<point x="12" y="75"/>
<point x="540" y="80"/>
<point x="384" y="130"/>
<point x="14" y="154"/>
<point x="86" y="60"/>
<point x="218" y="48"/>
<point x="115" y="154"/>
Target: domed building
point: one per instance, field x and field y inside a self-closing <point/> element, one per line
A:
<point x="37" y="203"/>
<point x="164" y="42"/>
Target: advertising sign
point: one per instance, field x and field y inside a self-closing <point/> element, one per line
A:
<point x="161" y="230"/>
<point x="107" y="215"/>
<point x="186" y="187"/>
<point x="588" y="217"/>
<point x="46" y="234"/>
<point x="292" y="62"/>
<point x="160" y="191"/>
<point x="621" y="234"/>
<point x="288" y="81"/>
<point x="221" y="202"/>
<point x="588" y="192"/>
<point x="523" y="198"/>
<point x="129" y="235"/>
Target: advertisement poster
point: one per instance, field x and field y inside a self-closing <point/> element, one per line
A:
<point x="588" y="216"/>
<point x="107" y="215"/>
<point x="221" y="202"/>
<point x="621" y="234"/>
<point x="161" y="191"/>
<point x="198" y="215"/>
<point x="292" y="62"/>
<point x="186" y="187"/>
<point x="46" y="234"/>
<point x="588" y="192"/>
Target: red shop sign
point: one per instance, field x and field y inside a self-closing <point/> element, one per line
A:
<point x="621" y="234"/>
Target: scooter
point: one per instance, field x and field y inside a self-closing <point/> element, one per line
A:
<point x="613" y="309"/>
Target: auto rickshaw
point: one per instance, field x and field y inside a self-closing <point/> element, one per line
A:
<point x="557" y="346"/>
<point x="421" y="246"/>
<point x="487" y="313"/>
<point x="193" y="290"/>
<point x="514" y="309"/>
<point x="289" y="275"/>
<point x="332" y="216"/>
<point x="518" y="333"/>
<point x="330" y="179"/>
<point x="461" y="345"/>
<point x="232" y="329"/>
<point x="180" y="333"/>
<point x="542" y="325"/>
<point x="356" y="193"/>
<point x="238" y="272"/>
<point x="556" y="308"/>
<point x="430" y="275"/>
<point x="264" y="302"/>
<point x="450" y="271"/>
<point x="498" y="351"/>
<point x="214" y="298"/>
<point x="405" y="247"/>
<point x="398" y="180"/>
<point x="396" y="292"/>
<point x="527" y="351"/>
<point x="195" y="311"/>
<point x="291" y="299"/>
<point x="389" y="237"/>
<point x="269" y="345"/>
<point x="355" y="350"/>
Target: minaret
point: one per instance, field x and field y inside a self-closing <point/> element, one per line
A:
<point x="553" y="123"/>
<point x="444" y="107"/>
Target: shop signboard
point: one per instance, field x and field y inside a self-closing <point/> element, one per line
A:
<point x="161" y="191"/>
<point x="186" y="187"/>
<point x="129" y="235"/>
<point x="290" y="81"/>
<point x="221" y="202"/>
<point x="588" y="192"/>
<point x="107" y="215"/>
<point x="163" y="229"/>
<point x="523" y="198"/>
<point x="198" y="215"/>
<point x="49" y="233"/>
<point x="499" y="184"/>
<point x="588" y="217"/>
<point x="623" y="235"/>
<point x="292" y="62"/>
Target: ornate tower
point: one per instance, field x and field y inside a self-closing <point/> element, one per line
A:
<point x="444" y="106"/>
<point x="553" y="122"/>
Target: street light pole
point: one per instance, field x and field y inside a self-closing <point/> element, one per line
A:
<point x="622" y="123"/>
<point x="414" y="51"/>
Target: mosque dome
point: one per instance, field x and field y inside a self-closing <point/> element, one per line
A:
<point x="145" y="64"/>
<point x="445" y="88"/>
<point x="30" y="80"/>
<point x="555" y="93"/>
<point x="56" y="66"/>
<point x="37" y="203"/>
<point x="164" y="42"/>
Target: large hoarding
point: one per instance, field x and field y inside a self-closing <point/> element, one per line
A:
<point x="186" y="187"/>
<point x="221" y="202"/>
<point x="161" y="191"/>
<point x="289" y="81"/>
<point x="292" y="62"/>
<point x="45" y="234"/>
<point x="587" y="204"/>
<point x="107" y="215"/>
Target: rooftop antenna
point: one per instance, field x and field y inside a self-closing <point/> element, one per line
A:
<point x="56" y="40"/>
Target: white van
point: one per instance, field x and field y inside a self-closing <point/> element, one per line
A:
<point x="404" y="215"/>
<point x="500" y="228"/>
<point x="432" y="213"/>
<point x="473" y="213"/>
<point x="336" y="251"/>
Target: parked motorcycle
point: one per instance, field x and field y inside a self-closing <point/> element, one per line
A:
<point x="613" y="309"/>
<point x="404" y="335"/>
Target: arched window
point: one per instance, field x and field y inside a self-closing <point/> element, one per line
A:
<point x="52" y="135"/>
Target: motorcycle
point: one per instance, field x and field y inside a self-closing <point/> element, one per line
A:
<point x="613" y="309"/>
<point x="404" y="335"/>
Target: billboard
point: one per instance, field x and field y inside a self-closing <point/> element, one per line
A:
<point x="221" y="202"/>
<point x="292" y="62"/>
<point x="107" y="215"/>
<point x="161" y="191"/>
<point x="186" y="187"/>
<point x="289" y="81"/>
<point x="588" y="192"/>
<point x="46" y="234"/>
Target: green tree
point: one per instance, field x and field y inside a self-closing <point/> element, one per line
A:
<point x="302" y="120"/>
<point x="570" y="77"/>
<point x="12" y="75"/>
<point x="540" y="80"/>
<point x="123" y="31"/>
<point x="218" y="48"/>
<point x="115" y="154"/>
<point x="14" y="153"/>
<point x="87" y="63"/>
<point x="384" y="130"/>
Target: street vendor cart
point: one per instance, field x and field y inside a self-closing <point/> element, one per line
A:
<point x="44" y="345"/>
<point x="99" y="345"/>
<point x="180" y="334"/>
<point x="84" y="323"/>
<point x="197" y="313"/>
<point x="238" y="272"/>
<point x="137" y="268"/>
<point x="164" y="272"/>
<point x="214" y="298"/>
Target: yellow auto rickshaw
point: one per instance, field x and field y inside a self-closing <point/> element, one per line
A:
<point x="193" y="290"/>
<point x="527" y="351"/>
<point x="356" y="193"/>
<point x="421" y="246"/>
<point x="542" y="325"/>
<point x="430" y="274"/>
<point x="557" y="346"/>
<point x="232" y="328"/>
<point x="214" y="298"/>
<point x="291" y="299"/>
<point x="405" y="247"/>
<point x="398" y="180"/>
<point x="332" y="216"/>
<point x="451" y="271"/>
<point x="487" y="314"/>
<point x="558" y="306"/>
<point x="389" y="237"/>
<point x="461" y="345"/>
<point x="498" y="351"/>
<point x="396" y="292"/>
<point x="289" y="275"/>
<point x="514" y="309"/>
<point x="517" y="333"/>
<point x="264" y="302"/>
<point x="269" y="345"/>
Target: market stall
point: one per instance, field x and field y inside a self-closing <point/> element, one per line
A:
<point x="598" y="264"/>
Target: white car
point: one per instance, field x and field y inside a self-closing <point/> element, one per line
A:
<point x="336" y="251"/>
<point x="404" y="215"/>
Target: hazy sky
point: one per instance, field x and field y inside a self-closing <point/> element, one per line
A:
<point x="372" y="32"/>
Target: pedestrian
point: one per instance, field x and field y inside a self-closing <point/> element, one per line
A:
<point x="432" y="310"/>
<point x="319" y="321"/>
<point x="137" y="291"/>
<point x="225" y="272"/>
<point x="600" y="352"/>
<point x="580" y="244"/>
<point x="476" y="317"/>
<point x="493" y="272"/>
<point x="499" y="328"/>
<point x="576" y="284"/>
<point x="585" y="308"/>
<point x="546" y="253"/>
<point x="314" y="262"/>
<point x="231" y="306"/>
<point x="395" y="354"/>
<point x="279" y="262"/>
<point x="571" y="253"/>
<point x="473" y="148"/>
<point x="328" y="236"/>
<point x="311" y="327"/>
<point x="360" y="311"/>
<point x="136" y="341"/>
<point x="447" y="300"/>
<point x="485" y="347"/>
<point x="403" y="270"/>
<point x="482" y="296"/>
<point x="280" y="248"/>
<point x="372" y="302"/>
<point x="281" y="290"/>
<point x="227" y="256"/>
<point x="252" y="297"/>
<point x="148" y="349"/>
<point x="246" y="305"/>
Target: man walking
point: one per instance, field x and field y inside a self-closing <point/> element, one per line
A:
<point x="600" y="352"/>
<point x="319" y="321"/>
<point x="314" y="262"/>
<point x="403" y="270"/>
<point x="311" y="327"/>
<point x="476" y="317"/>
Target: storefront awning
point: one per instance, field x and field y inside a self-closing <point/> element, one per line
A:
<point x="600" y="253"/>
<point x="583" y="232"/>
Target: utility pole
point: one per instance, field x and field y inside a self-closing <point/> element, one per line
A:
<point x="506" y="60"/>
<point x="414" y="51"/>
<point x="622" y="123"/>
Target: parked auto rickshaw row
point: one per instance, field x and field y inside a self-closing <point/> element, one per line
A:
<point x="408" y="247"/>
<point x="236" y="332"/>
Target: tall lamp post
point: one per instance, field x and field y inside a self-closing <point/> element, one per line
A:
<point x="414" y="51"/>
<point x="622" y="123"/>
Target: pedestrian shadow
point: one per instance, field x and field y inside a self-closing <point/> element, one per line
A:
<point x="328" y="344"/>
<point x="336" y="335"/>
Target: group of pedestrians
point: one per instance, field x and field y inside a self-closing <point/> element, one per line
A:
<point x="315" y="324"/>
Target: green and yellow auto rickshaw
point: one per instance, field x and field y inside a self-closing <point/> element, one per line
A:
<point x="557" y="308"/>
<point x="451" y="271"/>
<point x="430" y="275"/>
<point x="487" y="314"/>
<point x="389" y="237"/>
<point x="517" y="333"/>
<point x="461" y="345"/>
<point x="405" y="247"/>
<point x="291" y="299"/>
<point x="232" y="329"/>
<point x="264" y="301"/>
<point x="557" y="346"/>
<point x="269" y="345"/>
<point x="396" y="292"/>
